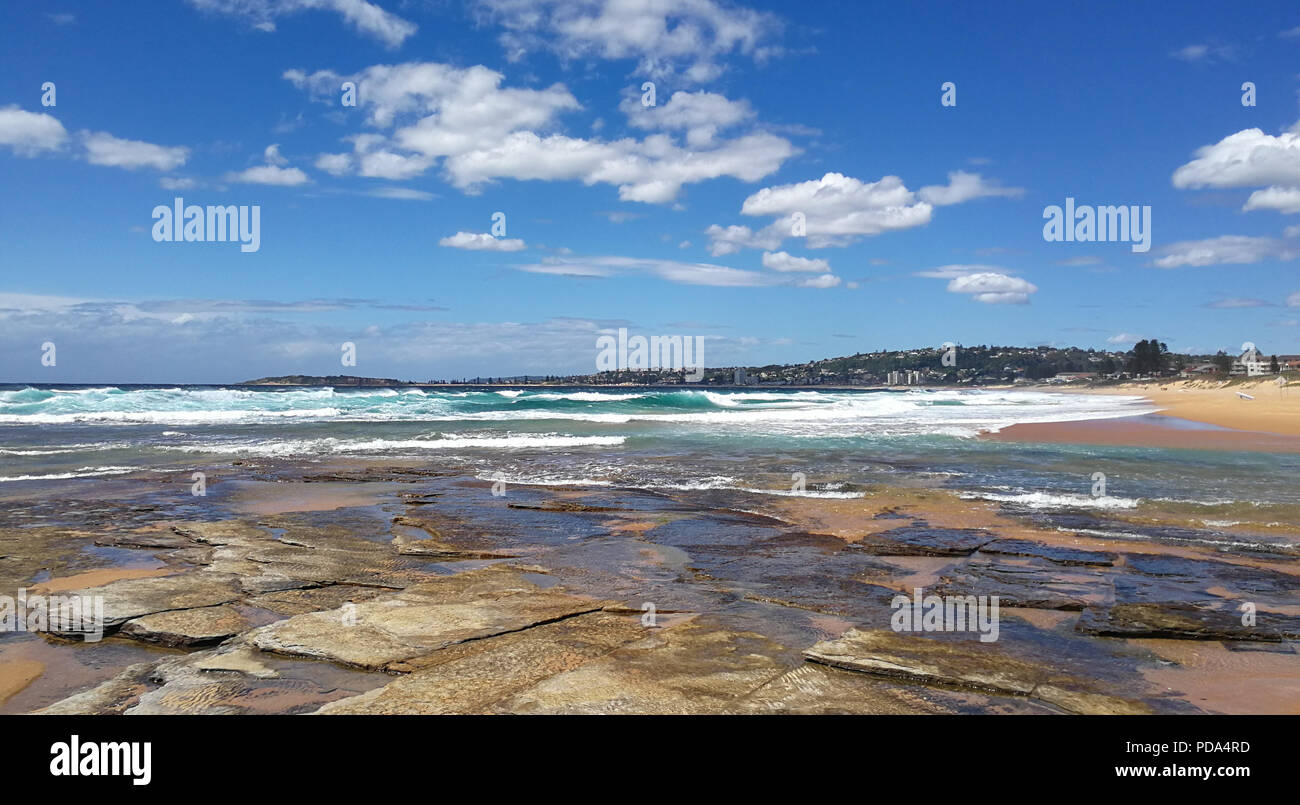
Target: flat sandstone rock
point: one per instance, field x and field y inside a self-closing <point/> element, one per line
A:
<point x="203" y="626"/>
<point x="961" y="663"/>
<point x="390" y="629"/>
<point x="471" y="677"/>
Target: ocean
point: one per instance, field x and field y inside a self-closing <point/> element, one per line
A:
<point x="832" y="444"/>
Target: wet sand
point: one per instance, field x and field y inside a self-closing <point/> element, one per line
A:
<point x="1149" y="431"/>
<point x="96" y="578"/>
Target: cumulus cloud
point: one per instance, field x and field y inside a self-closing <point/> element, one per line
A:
<point x="334" y="164"/>
<point x="963" y="186"/>
<point x="833" y="211"/>
<point x="482" y="242"/>
<point x="1229" y="249"/>
<point x="274" y="172"/>
<point x="102" y="148"/>
<point x="1124" y="338"/>
<point x="1281" y="199"/>
<point x="993" y="288"/>
<point x="780" y="261"/>
<point x="30" y="133"/>
<point x="731" y="239"/>
<point x="482" y="132"/>
<point x="367" y="18"/>
<point x="687" y="39"/>
<point x="1249" y="158"/>
<point x="701" y="115"/>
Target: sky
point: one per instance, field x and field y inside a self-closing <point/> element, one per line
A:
<point x="809" y="180"/>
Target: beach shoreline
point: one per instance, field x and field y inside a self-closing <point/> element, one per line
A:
<point x="1191" y="414"/>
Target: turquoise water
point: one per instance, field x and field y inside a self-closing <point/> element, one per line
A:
<point x="837" y="441"/>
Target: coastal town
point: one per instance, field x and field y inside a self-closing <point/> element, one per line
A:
<point x="947" y="365"/>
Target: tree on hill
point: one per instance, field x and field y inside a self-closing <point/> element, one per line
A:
<point x="1148" y="357"/>
<point x="1223" y="362"/>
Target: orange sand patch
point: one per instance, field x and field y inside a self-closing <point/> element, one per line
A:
<point x="919" y="571"/>
<point x="1127" y="432"/>
<point x="258" y="497"/>
<point x="1040" y="618"/>
<point x="98" y="578"/>
<point x="1215" y="679"/>
<point x="18" y="674"/>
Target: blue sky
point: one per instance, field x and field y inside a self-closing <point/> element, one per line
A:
<point x="924" y="222"/>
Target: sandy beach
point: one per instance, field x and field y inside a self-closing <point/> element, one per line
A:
<point x="1192" y="414"/>
<point x="1274" y="409"/>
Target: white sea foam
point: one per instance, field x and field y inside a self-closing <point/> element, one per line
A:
<point x="1046" y="500"/>
<point x="301" y="447"/>
<point x="83" y="472"/>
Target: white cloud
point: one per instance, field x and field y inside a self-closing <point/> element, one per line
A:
<point x="334" y="164"/>
<point x="732" y="239"/>
<point x="1282" y="199"/>
<point x="273" y="172"/>
<point x="781" y="261"/>
<point x="1293" y="300"/>
<point x="701" y="115"/>
<point x="963" y="186"/>
<point x="824" y="281"/>
<point x="1192" y="52"/>
<point x="483" y="132"/>
<point x="177" y="183"/>
<point x="269" y="174"/>
<point x="482" y="242"/>
<point x="652" y="171"/>
<point x="959" y="270"/>
<point x="400" y="193"/>
<point x="103" y="148"/>
<point x="671" y="270"/>
<point x="1124" y="338"/>
<point x="1231" y="249"/>
<point x="1249" y="158"/>
<point x="29" y="133"/>
<point x="837" y="209"/>
<point x="1205" y="53"/>
<point x="272" y="155"/>
<point x="993" y="288"/>
<point x="366" y="17"/>
<point x="683" y="38"/>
